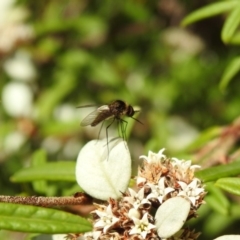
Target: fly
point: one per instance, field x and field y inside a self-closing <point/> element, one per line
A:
<point x="116" y="110"/>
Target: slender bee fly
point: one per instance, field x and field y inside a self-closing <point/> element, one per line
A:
<point x="115" y="111"/>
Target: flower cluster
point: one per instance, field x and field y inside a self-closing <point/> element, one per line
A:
<point x="133" y="216"/>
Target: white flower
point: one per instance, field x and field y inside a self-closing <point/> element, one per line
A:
<point x="107" y="219"/>
<point x="184" y="165"/>
<point x="159" y="191"/>
<point x="154" y="157"/>
<point x="142" y="226"/>
<point x="20" y="67"/>
<point x="192" y="191"/>
<point x="17" y="99"/>
<point x="137" y="199"/>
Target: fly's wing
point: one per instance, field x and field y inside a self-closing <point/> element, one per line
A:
<point x="88" y="105"/>
<point x="97" y="116"/>
<point x="89" y="119"/>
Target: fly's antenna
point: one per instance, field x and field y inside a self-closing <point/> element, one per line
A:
<point x="137" y="120"/>
<point x="137" y="109"/>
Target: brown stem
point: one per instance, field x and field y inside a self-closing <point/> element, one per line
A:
<point x="46" y="201"/>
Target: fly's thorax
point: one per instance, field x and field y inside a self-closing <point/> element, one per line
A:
<point x="118" y="108"/>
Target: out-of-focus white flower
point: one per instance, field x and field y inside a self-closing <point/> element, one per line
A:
<point x="12" y="30"/>
<point x="191" y="190"/>
<point x="142" y="226"/>
<point x="137" y="199"/>
<point x="65" y="113"/>
<point x="14" y="141"/>
<point x="154" y="157"/>
<point x="20" y="67"/>
<point x="17" y="99"/>
<point x="5" y="7"/>
<point x="159" y="191"/>
<point x="107" y="219"/>
<point x="71" y="148"/>
<point x="52" y="144"/>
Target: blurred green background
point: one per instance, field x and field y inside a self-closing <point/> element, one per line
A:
<point x="57" y="55"/>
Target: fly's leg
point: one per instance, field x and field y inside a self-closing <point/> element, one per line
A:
<point x="107" y="133"/>
<point x="123" y="127"/>
<point x="100" y="130"/>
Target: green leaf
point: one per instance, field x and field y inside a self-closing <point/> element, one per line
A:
<point x="23" y="218"/>
<point x="231" y="185"/>
<point x="231" y="24"/>
<point x="39" y="158"/>
<point x="209" y="11"/>
<point x="231" y="70"/>
<point x="236" y="38"/>
<point x="214" y="173"/>
<point x="217" y="200"/>
<point x="57" y="171"/>
<point x="228" y="237"/>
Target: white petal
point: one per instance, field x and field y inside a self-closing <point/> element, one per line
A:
<point x="104" y="174"/>
<point x="134" y="213"/>
<point x="183" y="185"/>
<point x="141" y="180"/>
<point x="171" y="216"/>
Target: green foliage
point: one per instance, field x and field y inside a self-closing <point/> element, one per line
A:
<point x="231" y="185"/>
<point x="229" y="34"/>
<point x="58" y="171"/>
<point x="214" y="173"/>
<point x="40" y="220"/>
<point x="96" y="52"/>
<point x="231" y="70"/>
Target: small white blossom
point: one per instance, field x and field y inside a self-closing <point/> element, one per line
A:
<point x="154" y="157"/>
<point x="137" y="199"/>
<point x="159" y="191"/>
<point x="184" y="165"/>
<point x="107" y="219"/>
<point x="191" y="190"/>
<point x="142" y="226"/>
